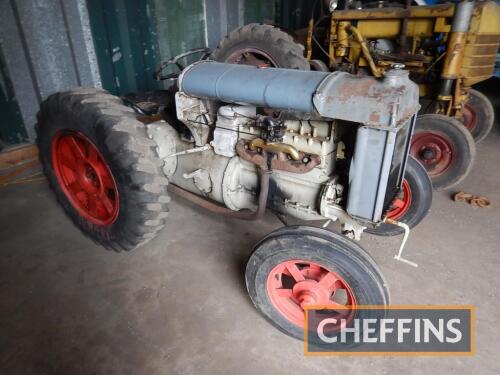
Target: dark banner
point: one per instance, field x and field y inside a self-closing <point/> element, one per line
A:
<point x="429" y="330"/>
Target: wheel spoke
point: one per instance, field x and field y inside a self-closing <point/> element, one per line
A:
<point x="398" y="203"/>
<point x="328" y="280"/>
<point x="294" y="271"/>
<point x="68" y="162"/>
<point x="74" y="187"/>
<point x="92" y="204"/>
<point x="77" y="149"/>
<point x="287" y="293"/>
<point x="92" y="157"/>
<point x="106" y="202"/>
<point x="106" y="180"/>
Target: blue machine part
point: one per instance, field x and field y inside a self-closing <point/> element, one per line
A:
<point x="386" y="102"/>
<point x="266" y="87"/>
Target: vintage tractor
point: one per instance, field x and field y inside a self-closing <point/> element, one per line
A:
<point x="446" y="48"/>
<point x="313" y="145"/>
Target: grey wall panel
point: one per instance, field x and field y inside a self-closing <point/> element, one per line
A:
<point x="18" y="66"/>
<point x="47" y="48"/>
<point x="223" y="16"/>
<point x="48" y="44"/>
<point x="80" y="36"/>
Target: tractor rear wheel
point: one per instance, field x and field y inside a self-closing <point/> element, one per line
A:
<point x="102" y="167"/>
<point x="445" y="148"/>
<point x="478" y="115"/>
<point x="293" y="267"/>
<point x="413" y="202"/>
<point x="262" y="46"/>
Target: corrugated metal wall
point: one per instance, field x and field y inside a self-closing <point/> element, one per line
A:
<point x="45" y="46"/>
<point x="133" y="37"/>
<point x="48" y="46"/>
<point x="294" y="14"/>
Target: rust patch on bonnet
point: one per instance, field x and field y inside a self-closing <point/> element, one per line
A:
<point x="354" y="88"/>
<point x="374" y="117"/>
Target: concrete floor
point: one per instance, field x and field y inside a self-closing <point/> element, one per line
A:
<point x="179" y="304"/>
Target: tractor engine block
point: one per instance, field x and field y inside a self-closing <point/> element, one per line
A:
<point x="298" y="126"/>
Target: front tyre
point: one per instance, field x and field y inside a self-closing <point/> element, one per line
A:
<point x="412" y="203"/>
<point x="102" y="167"/>
<point x="294" y="267"/>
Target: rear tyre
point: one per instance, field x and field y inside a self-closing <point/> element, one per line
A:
<point x="102" y="167"/>
<point x="297" y="266"/>
<point x="413" y="202"/>
<point x="261" y="45"/>
<point x="445" y="148"/>
<point x="478" y="115"/>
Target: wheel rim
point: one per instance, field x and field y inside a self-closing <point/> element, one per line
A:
<point x="294" y="284"/>
<point x="433" y="150"/>
<point x="84" y="177"/>
<point x="402" y="203"/>
<point x="469" y="117"/>
<point x="252" y="56"/>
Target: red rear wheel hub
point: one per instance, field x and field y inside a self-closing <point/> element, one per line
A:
<point x="402" y="203"/>
<point x="294" y="284"/>
<point x="433" y="150"/>
<point x="85" y="177"/>
<point x="252" y="56"/>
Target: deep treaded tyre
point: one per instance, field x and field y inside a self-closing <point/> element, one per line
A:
<point x="445" y="148"/>
<point x="412" y="204"/>
<point x="297" y="266"/>
<point x="261" y="45"/>
<point x="478" y="115"/>
<point x="102" y="167"/>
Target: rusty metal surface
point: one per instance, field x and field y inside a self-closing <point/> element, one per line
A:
<point x="280" y="148"/>
<point x="218" y="209"/>
<point x="279" y="160"/>
<point x="473" y="200"/>
<point x="433" y="11"/>
<point x="386" y="102"/>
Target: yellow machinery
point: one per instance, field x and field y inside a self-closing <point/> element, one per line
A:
<point x="457" y="43"/>
<point x="447" y="48"/>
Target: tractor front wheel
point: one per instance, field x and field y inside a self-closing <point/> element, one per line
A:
<point x="445" y="148"/>
<point x="102" y="167"/>
<point x="412" y="203"/>
<point x="294" y="267"/>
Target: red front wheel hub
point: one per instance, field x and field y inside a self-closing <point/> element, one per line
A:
<point x="84" y="177"/>
<point x="294" y="284"/>
<point x="402" y="203"/>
